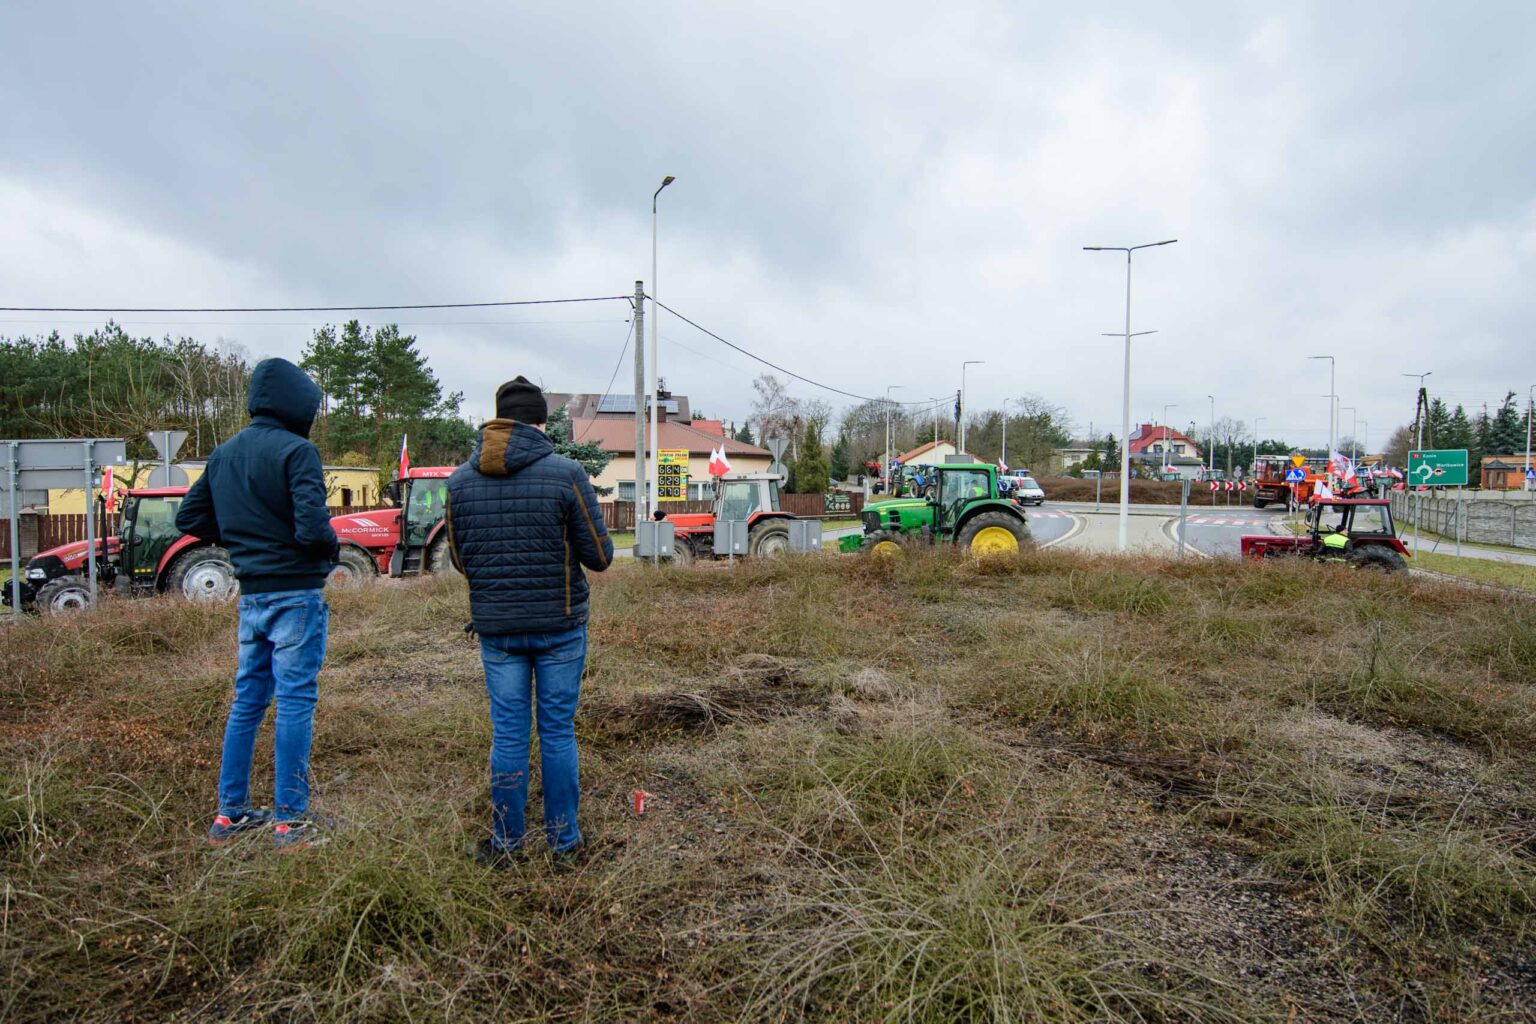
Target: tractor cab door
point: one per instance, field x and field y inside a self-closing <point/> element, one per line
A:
<point x="149" y="529"/>
<point x="1373" y="521"/>
<point x="425" y="503"/>
<point x="740" y="500"/>
<point x="1328" y="519"/>
<point x="957" y="489"/>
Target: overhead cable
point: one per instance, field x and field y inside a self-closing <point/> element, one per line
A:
<point x="305" y="309"/>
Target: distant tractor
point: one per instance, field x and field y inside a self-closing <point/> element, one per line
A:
<point x="966" y="509"/>
<point x="406" y="540"/>
<point x="1270" y="486"/>
<point x="143" y="554"/>
<point x="1356" y="532"/>
<point x="752" y="498"/>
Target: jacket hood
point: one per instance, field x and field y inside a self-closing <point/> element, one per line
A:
<point x="283" y="391"/>
<point x="507" y="446"/>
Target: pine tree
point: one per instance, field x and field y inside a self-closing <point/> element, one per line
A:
<point x="810" y="473"/>
<point x="1506" y="433"/>
<point x="589" y="453"/>
<point x="744" y="434"/>
<point x="840" y="467"/>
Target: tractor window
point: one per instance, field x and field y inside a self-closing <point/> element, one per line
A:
<point x="957" y="487"/>
<point x="1371" y="519"/>
<point x="1330" y="518"/>
<point x="739" y="499"/>
<point x="154" y="530"/>
<point x="424" y="510"/>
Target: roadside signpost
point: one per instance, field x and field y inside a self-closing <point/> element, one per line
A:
<point x="39" y="465"/>
<point x="1437" y="467"/>
<point x="776" y="446"/>
<point x="1295" y="475"/>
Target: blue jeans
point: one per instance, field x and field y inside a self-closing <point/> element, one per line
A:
<point x="282" y="644"/>
<point x="512" y="665"/>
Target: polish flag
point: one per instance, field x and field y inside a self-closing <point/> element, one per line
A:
<point x="1002" y="467"/>
<point x="405" y="460"/>
<point x="719" y="465"/>
<point x="1323" y="492"/>
<point x="108" y="492"/>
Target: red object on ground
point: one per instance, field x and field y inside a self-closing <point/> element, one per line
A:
<point x="639" y="797"/>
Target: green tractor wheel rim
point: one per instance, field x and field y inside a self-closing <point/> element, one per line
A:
<point x="992" y="541"/>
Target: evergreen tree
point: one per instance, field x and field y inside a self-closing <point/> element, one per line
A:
<point x="744" y="433"/>
<point x="840" y="466"/>
<point x="1437" y="424"/>
<point x="811" y="465"/>
<point x="591" y="455"/>
<point x="1506" y="432"/>
<point x="1482" y="440"/>
<point x="1458" y="432"/>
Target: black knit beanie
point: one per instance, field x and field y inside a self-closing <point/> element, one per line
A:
<point x="520" y="399"/>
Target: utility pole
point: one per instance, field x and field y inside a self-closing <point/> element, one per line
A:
<point x="1211" y="470"/>
<point x="885" y="468"/>
<point x="1420" y="414"/>
<point x="1332" y="398"/>
<point x="1530" y="407"/>
<point x="1125" y="410"/>
<point x="642" y="509"/>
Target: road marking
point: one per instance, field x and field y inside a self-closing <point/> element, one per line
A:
<point x="1078" y="522"/>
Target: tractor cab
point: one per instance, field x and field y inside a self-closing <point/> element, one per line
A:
<point x="422" y="497"/>
<point x="1355" y="520"/>
<point x="751" y="498"/>
<point x="147" y="529"/>
<point x="1357" y="531"/>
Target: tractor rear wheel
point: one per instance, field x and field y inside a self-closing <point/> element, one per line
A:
<point x="440" y="559"/>
<point x="1380" y="558"/>
<point x="64" y="595"/>
<point x="885" y="543"/>
<point x="202" y="574"/>
<point x="993" y="534"/>
<point x="769" y="540"/>
<point x="353" y="569"/>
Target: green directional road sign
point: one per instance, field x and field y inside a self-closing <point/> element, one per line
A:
<point x="1446" y="467"/>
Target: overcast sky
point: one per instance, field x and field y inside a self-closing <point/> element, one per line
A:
<point x="867" y="194"/>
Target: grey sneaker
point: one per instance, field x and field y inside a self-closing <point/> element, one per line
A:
<point x="300" y="834"/>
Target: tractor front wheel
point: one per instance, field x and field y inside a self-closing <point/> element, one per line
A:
<point x="203" y="574"/>
<point x="769" y="540"/>
<point x="1382" y="559"/>
<point x="440" y="559"/>
<point x="885" y="543"/>
<point x="64" y="595"/>
<point x="993" y="534"/>
<point x="353" y="568"/>
<point x="682" y="551"/>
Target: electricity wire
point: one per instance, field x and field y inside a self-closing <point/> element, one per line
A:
<point x="612" y="378"/>
<point x="308" y="309"/>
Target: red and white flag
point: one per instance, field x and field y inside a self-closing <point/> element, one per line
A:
<point x="405" y="460"/>
<point x="108" y="491"/>
<point x="719" y="465"/>
<point x="1323" y="492"/>
<point x="1002" y="467"/>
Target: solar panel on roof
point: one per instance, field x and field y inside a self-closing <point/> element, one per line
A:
<point x="616" y="403"/>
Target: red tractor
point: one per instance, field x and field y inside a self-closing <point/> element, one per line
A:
<point x="143" y="554"/>
<point x="406" y="540"/>
<point x="752" y="498"/>
<point x="1354" y="531"/>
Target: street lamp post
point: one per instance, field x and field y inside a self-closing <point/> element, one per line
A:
<point x="1211" y="455"/>
<point x="1253" y="467"/>
<point x="653" y="471"/>
<point x="1003" y="458"/>
<point x="1332" y="398"/>
<point x="1125" y="411"/>
<point x="885" y="468"/>
<point x="968" y="362"/>
<point x="1167" y="436"/>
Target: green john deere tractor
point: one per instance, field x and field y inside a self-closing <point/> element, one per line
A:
<point x="964" y="509"/>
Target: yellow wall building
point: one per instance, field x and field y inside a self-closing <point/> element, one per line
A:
<point x="344" y="486"/>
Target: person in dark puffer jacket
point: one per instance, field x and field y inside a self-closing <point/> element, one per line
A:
<point x="522" y="524"/>
<point x="263" y="497"/>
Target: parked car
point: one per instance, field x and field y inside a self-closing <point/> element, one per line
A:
<point x="1026" y="491"/>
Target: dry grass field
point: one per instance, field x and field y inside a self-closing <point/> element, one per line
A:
<point x="1063" y="788"/>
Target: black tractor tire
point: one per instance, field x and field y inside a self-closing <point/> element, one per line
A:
<point x="1378" y="557"/>
<point x="1260" y="503"/>
<point x="930" y="492"/>
<point x="769" y="540"/>
<point x="202" y="574"/>
<point x="986" y="521"/>
<point x="886" y="543"/>
<point x="64" y="595"/>
<point x="682" y="551"/>
<point x="353" y="569"/>
<point x="440" y="559"/>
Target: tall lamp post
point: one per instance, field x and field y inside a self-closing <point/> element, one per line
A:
<point x="1253" y="467"/>
<point x="1125" y="413"/>
<point x="653" y="471"/>
<point x="968" y="362"/>
<point x="885" y="468"/>
<point x="1332" y="399"/>
<point x="1167" y="435"/>
<point x="1211" y="456"/>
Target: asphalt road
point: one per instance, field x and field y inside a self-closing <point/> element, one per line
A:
<point x="1217" y="532"/>
<point x="1048" y="525"/>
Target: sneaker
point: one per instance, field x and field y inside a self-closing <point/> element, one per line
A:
<point x="488" y="855"/>
<point x="299" y="834"/>
<point x="570" y="859"/>
<point x="226" y="828"/>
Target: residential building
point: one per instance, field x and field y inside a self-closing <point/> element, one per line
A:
<point x="932" y="453"/>
<point x="1503" y="472"/>
<point x="609" y="421"/>
<point x="1074" y="454"/>
<point x="1148" y="439"/>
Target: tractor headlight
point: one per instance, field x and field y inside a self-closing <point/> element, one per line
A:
<point x="37" y="574"/>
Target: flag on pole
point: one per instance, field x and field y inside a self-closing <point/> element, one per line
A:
<point x="108" y="492"/>
<point x="405" y="460"/>
<point x="1002" y="467"/>
<point x="719" y="465"/>
<point x="1323" y="492"/>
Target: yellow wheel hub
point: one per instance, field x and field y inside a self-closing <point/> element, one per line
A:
<point x="886" y="549"/>
<point x="994" y="540"/>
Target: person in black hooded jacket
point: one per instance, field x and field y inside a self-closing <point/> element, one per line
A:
<point x="262" y="496"/>
<point x="522" y="525"/>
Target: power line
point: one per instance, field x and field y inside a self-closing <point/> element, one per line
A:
<point x="752" y="355"/>
<point x="307" y="323"/>
<point x="614" y="377"/>
<point x="305" y="309"/>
